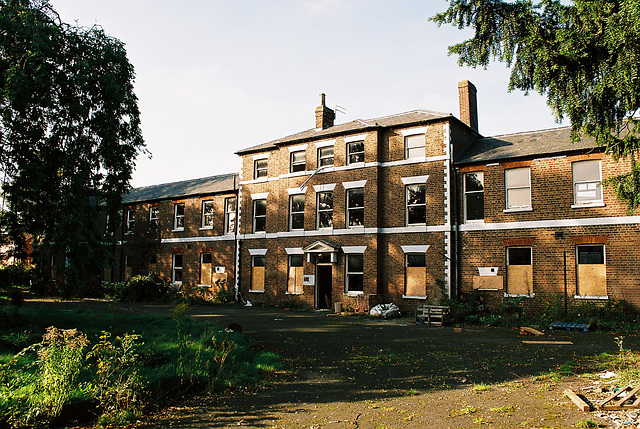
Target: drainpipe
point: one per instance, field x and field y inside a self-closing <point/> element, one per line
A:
<point x="237" y="232"/>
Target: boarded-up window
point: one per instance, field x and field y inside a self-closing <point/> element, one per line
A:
<point x="294" y="285"/>
<point x="591" y="271"/>
<point x="587" y="187"/>
<point x="518" y="188"/>
<point x="415" y="274"/>
<point x="519" y="271"/>
<point x="206" y="268"/>
<point x="257" y="272"/>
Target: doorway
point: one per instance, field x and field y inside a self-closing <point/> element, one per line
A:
<point x="324" y="284"/>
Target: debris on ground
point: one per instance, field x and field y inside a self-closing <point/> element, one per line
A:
<point x="387" y="311"/>
<point x="526" y="330"/>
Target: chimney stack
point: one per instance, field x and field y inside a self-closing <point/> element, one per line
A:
<point x="468" y="104"/>
<point x="324" y="115"/>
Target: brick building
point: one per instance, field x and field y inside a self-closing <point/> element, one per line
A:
<point x="405" y="208"/>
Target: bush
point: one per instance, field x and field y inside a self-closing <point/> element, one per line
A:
<point x="17" y="275"/>
<point x="143" y="288"/>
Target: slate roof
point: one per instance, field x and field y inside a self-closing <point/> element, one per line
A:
<point x="185" y="188"/>
<point x="404" y="119"/>
<point x="522" y="145"/>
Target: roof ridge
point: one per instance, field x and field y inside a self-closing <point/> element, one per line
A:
<point x="183" y="181"/>
<point x="527" y="132"/>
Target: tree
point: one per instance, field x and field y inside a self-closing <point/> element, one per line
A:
<point x="584" y="57"/>
<point x="69" y="133"/>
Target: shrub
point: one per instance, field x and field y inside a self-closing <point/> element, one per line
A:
<point x="143" y="288"/>
<point x="16" y="275"/>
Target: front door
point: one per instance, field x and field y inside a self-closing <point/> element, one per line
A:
<point x="324" y="285"/>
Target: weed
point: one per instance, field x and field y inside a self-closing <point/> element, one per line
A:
<point x="507" y="409"/>
<point x="464" y="411"/>
<point x="481" y="387"/>
<point x="481" y="420"/>
<point x="587" y="423"/>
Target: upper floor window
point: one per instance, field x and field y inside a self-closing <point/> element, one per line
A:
<point x="325" y="156"/>
<point x="587" y="178"/>
<point x="259" y="215"/>
<point x="230" y="215"/>
<point x="154" y="217"/>
<point x="296" y="212"/>
<point x="416" y="204"/>
<point x="355" y="152"/>
<point x="414" y="146"/>
<point x="207" y="214"/>
<point x="178" y="217"/>
<point x="131" y="220"/>
<point x="325" y="209"/>
<point x="298" y="161"/>
<point x="259" y="168"/>
<point x="355" y="207"/>
<point x="518" y="188"/>
<point x="474" y="196"/>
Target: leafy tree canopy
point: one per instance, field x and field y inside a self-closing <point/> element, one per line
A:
<point x="69" y="130"/>
<point x="584" y="57"/>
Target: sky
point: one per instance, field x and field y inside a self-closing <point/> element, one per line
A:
<point x="217" y="76"/>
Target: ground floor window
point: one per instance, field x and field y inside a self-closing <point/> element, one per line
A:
<point x="257" y="273"/>
<point x="355" y="273"/>
<point x="519" y="271"/>
<point x="591" y="271"/>
<point x="176" y="276"/>
<point x="415" y="274"/>
<point x="294" y="284"/>
<point x="206" y="268"/>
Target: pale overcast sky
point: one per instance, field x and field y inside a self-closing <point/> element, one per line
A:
<point x="216" y="76"/>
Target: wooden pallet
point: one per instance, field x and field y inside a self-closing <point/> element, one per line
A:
<point x="630" y="400"/>
<point x="570" y="326"/>
<point x="432" y="314"/>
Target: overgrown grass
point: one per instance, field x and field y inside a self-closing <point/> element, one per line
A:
<point x="130" y="362"/>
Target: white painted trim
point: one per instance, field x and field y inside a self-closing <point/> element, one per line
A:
<point x="260" y="196"/>
<point x="325" y="143"/>
<point x="415" y="248"/>
<point x="354" y="249"/>
<point x="413" y="161"/>
<point x="358" y="138"/>
<point x="324" y="188"/>
<point x="588" y="205"/>
<point x="414" y="229"/>
<point x="493" y="164"/>
<point x="355" y="184"/>
<point x="261" y="156"/>
<point x="297" y="148"/>
<point x="255" y="291"/>
<point x="413" y="297"/>
<point x="296" y="191"/>
<point x="294" y="250"/>
<point x="257" y="252"/>
<point x="591" y="297"/>
<point x="517" y="295"/>
<point x="414" y="131"/>
<point x="415" y="180"/>
<point x="555" y="223"/>
<point x="229" y="237"/>
<point x="519" y="209"/>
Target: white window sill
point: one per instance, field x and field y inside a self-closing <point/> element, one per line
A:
<point x="488" y="289"/>
<point x="127" y="233"/>
<point x="204" y="228"/>
<point x="354" y="293"/>
<point x="416" y="224"/>
<point x="355" y="227"/>
<point x="586" y="205"/>
<point x="260" y="232"/>
<point x="414" y="297"/>
<point x="519" y="295"/>
<point x="296" y="293"/>
<point x="177" y="230"/>
<point x="604" y="298"/>
<point x="356" y="164"/>
<point x="256" y="291"/>
<point x="518" y="209"/>
<point x="204" y="286"/>
<point x="474" y="221"/>
<point x="261" y="179"/>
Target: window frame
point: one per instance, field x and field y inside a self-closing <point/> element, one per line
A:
<point x="294" y="165"/>
<point x="350" y="153"/>
<point x="352" y="274"/>
<point x="408" y="206"/>
<point x="205" y="216"/>
<point x="320" y="211"/>
<point x="598" y="183"/>
<point x="423" y="257"/>
<point x="177" y="269"/>
<point x="601" y="291"/>
<point x="178" y="218"/>
<point x="255" y="258"/>
<point x="351" y="210"/>
<point x="261" y="216"/>
<point x="227" y="215"/>
<point x="408" y="149"/>
<point x="298" y="289"/>
<point x="293" y="214"/>
<point x="466" y="194"/>
<point x="508" y="188"/>
<point x="322" y="158"/>
<point x="260" y="170"/>
<point x="202" y="256"/>
<point x="131" y="220"/>
<point x="154" y="221"/>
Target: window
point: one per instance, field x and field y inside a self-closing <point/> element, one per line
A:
<point x="591" y="271"/>
<point x="355" y="207"/>
<point x="259" y="215"/>
<point x="587" y="187"/>
<point x="355" y="152"/>
<point x="325" y="156"/>
<point x="474" y="196"/>
<point x="176" y="276"/>
<point x="519" y="271"/>
<point x="207" y="214"/>
<point x="154" y="217"/>
<point x="325" y="210"/>
<point x="257" y="273"/>
<point x="355" y="273"/>
<point x="131" y="220"/>
<point x="416" y="204"/>
<point x="518" y="188"/>
<point x="230" y="215"/>
<point x="414" y="146"/>
<point x="298" y="161"/>
<point x="415" y="283"/>
<point x="296" y="212"/>
<point x="259" y="168"/>
<point x="178" y="217"/>
<point x="206" y="268"/>
<point x="294" y="285"/>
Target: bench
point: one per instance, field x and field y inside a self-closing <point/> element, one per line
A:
<point x="431" y="314"/>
